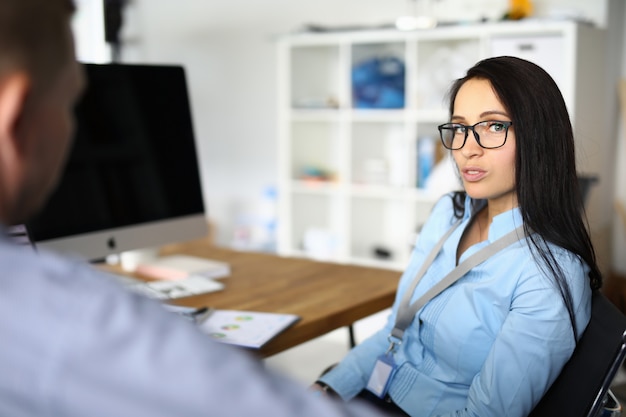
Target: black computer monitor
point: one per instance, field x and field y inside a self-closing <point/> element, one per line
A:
<point x="132" y="179"/>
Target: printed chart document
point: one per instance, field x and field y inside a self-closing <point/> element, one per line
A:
<point x="246" y="328"/>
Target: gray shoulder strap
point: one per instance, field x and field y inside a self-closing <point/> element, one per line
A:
<point x="407" y="313"/>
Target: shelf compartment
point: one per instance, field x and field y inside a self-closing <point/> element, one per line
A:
<point x="380" y="226"/>
<point x="378" y="75"/>
<point x="313" y="146"/>
<point x="439" y="63"/>
<point x="317" y="226"/>
<point x="427" y="151"/>
<point x="315" y="78"/>
<point x="378" y="154"/>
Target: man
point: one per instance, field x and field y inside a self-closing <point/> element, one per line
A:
<point x="73" y="343"/>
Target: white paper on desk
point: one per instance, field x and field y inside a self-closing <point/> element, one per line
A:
<point x="164" y="290"/>
<point x="246" y="328"/>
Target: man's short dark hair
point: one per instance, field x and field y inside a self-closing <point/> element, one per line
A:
<point x="34" y="37"/>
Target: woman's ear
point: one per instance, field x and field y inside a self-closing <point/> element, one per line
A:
<point x="14" y="89"/>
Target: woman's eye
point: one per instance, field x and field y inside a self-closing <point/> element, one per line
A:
<point x="496" y="127"/>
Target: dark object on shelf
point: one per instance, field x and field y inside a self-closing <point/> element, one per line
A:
<point x="382" y="253"/>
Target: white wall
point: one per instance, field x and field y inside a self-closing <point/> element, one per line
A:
<point x="619" y="236"/>
<point x="227" y="47"/>
<point x="88" y="27"/>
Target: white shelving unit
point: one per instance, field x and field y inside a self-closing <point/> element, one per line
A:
<point x="348" y="175"/>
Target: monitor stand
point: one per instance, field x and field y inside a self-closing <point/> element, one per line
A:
<point x="130" y="260"/>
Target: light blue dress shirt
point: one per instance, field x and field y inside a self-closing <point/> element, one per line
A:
<point x="491" y="344"/>
<point x="74" y="344"/>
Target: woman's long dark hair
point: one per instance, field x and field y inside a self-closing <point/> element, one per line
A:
<point x="548" y="191"/>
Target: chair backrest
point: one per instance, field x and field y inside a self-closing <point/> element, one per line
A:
<point x="581" y="387"/>
<point x="586" y="182"/>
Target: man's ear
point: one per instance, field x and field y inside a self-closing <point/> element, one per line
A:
<point x="14" y="90"/>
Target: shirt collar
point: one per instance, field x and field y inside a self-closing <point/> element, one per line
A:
<point x="501" y="224"/>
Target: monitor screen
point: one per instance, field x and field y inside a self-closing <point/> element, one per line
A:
<point x="132" y="179"/>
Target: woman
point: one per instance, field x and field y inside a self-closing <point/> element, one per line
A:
<point x="491" y="343"/>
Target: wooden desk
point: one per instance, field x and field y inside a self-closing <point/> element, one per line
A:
<point x="325" y="295"/>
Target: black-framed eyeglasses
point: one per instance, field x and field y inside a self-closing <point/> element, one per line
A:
<point x="489" y="134"/>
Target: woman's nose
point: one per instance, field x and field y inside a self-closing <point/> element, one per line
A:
<point x="471" y="147"/>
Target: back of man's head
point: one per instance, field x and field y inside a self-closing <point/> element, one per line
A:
<point x="34" y="38"/>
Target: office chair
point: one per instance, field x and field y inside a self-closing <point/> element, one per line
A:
<point x="581" y="388"/>
<point x="586" y="182"/>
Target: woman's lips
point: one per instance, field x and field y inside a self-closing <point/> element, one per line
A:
<point x="473" y="174"/>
